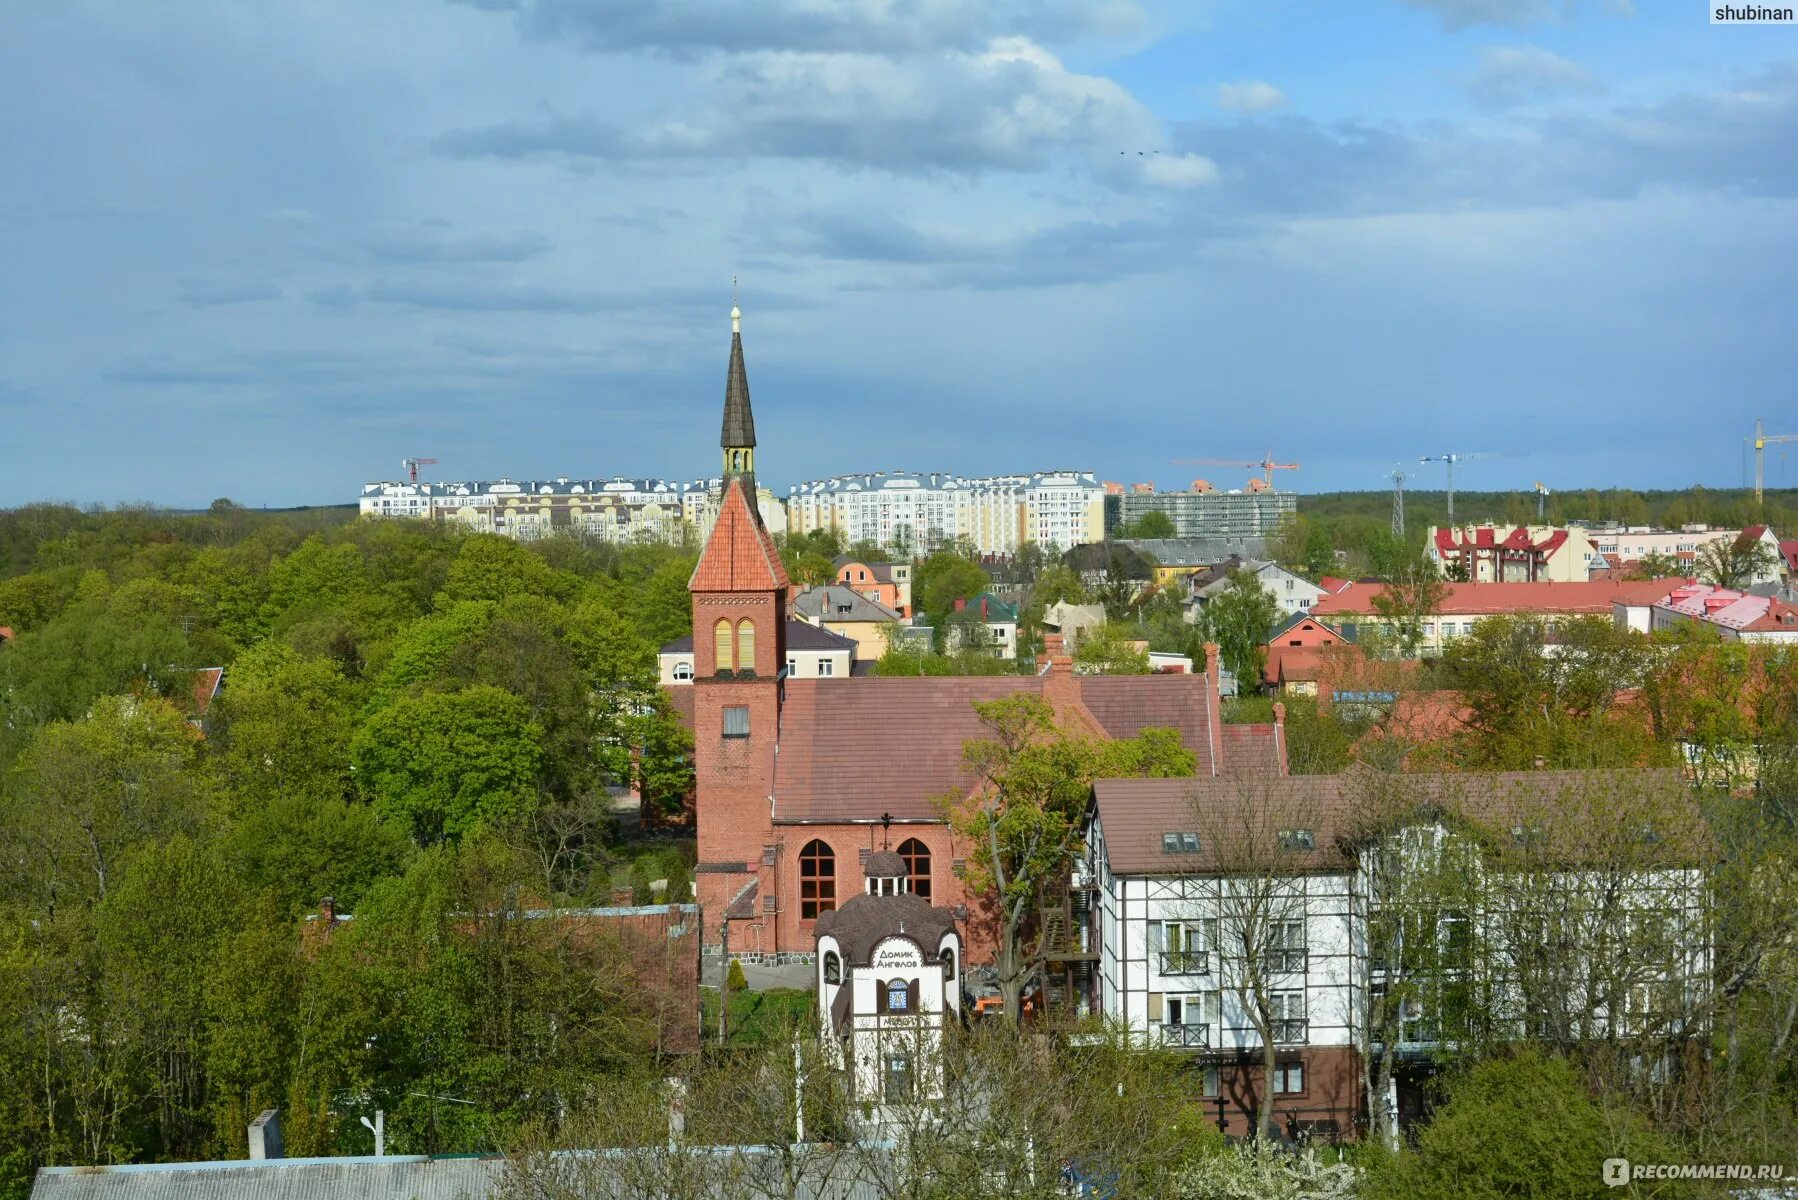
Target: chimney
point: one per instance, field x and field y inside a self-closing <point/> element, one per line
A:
<point x="1061" y="664"/>
<point x="960" y="604"/>
<point x="1280" y="735"/>
<point x="265" y="1135"/>
<point x="327" y="913"/>
<point x="1052" y="644"/>
<point x="623" y="897"/>
<point x="1211" y="667"/>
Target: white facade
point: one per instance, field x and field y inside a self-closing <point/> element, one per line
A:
<point x="922" y="511"/>
<point x="614" y="510"/>
<point x="1162" y="973"/>
<point x="1633" y="542"/>
<point x="888" y="973"/>
<point x="1293" y="593"/>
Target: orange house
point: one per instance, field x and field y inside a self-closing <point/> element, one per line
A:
<point x="886" y="583"/>
<point x="1294" y="660"/>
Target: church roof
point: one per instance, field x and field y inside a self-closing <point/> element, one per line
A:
<point x="740" y="555"/>
<point x="739" y="421"/>
<point x="900" y="737"/>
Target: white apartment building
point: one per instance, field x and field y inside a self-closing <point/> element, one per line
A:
<point x="1172" y="912"/>
<point x="614" y="510"/>
<point x="912" y="511"/>
<point x="1628" y="543"/>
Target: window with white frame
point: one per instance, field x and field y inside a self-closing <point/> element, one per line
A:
<point x="1286" y="947"/>
<point x="683" y="672"/>
<point x="1182" y="947"/>
<point x="826" y="667"/>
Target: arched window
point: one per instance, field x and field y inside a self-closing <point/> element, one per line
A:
<point x="745" y="645"/>
<point x="721" y="645"/>
<point x="683" y="672"/>
<point x="817" y="879"/>
<point x="948" y="957"/>
<point x="898" y="996"/>
<point x="917" y="866"/>
<point x="833" y="967"/>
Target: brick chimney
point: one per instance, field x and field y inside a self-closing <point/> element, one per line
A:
<point x="960" y="604"/>
<point x="1211" y="667"/>
<point x="327" y="911"/>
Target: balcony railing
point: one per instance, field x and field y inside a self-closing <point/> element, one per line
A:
<point x="1289" y="1030"/>
<point x="1191" y="1037"/>
<point x="1185" y="962"/>
<point x="1283" y="962"/>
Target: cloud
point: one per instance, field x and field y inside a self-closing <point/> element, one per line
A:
<point x="686" y="28"/>
<point x="207" y="294"/>
<point x="1074" y="252"/>
<point x="1251" y="96"/>
<point x="419" y="247"/>
<point x="1513" y="14"/>
<point x="1512" y="75"/>
<point x="453" y="296"/>
<point x="1010" y="107"/>
<point x="1735" y="141"/>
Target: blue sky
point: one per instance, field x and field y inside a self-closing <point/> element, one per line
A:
<point x="266" y="251"/>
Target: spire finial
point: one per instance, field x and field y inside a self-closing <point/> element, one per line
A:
<point x="736" y="314"/>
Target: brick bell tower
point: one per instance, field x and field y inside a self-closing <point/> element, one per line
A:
<point x="739" y="592"/>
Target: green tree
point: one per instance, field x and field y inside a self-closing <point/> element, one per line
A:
<point x="1152" y="524"/>
<point x="86" y="792"/>
<point x="1412" y="594"/>
<point x="944" y="578"/>
<point x="1033" y="778"/>
<point x="1240" y="619"/>
<point x="1657" y="566"/>
<point x="1112" y="649"/>
<point x="1736" y="562"/>
<point x="1554" y="694"/>
<point x="283" y="727"/>
<point x="446" y="763"/>
<point x="1557" y="1137"/>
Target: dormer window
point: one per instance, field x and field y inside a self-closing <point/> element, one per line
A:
<point x="1298" y="839"/>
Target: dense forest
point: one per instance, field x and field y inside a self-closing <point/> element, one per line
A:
<point x="414" y="722"/>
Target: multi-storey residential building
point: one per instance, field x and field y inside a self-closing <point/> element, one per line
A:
<point x="1618" y="544"/>
<point x="1514" y="553"/>
<point x="615" y="510"/>
<point x="1736" y="616"/>
<point x="1251" y="513"/>
<point x="1199" y="937"/>
<point x="906" y="512"/>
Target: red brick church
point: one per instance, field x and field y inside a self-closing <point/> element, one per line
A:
<point x="800" y="780"/>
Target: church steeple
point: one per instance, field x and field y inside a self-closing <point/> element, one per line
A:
<point x="738" y="438"/>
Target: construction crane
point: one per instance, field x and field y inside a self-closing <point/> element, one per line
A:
<point x="1541" y="500"/>
<point x="1762" y="439"/>
<point x="1266" y="466"/>
<point x="1398" y="478"/>
<point x="1450" y="460"/>
<point x="412" y="465"/>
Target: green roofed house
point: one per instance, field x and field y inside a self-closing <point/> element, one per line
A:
<point x="999" y="616"/>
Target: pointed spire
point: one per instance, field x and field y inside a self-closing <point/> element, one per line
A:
<point x="739" y="421"/>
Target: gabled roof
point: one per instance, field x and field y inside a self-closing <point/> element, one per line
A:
<point x="900" y="738"/>
<point x="826" y="601"/>
<point x="1135" y="813"/>
<point x="1789" y="552"/>
<point x="1478" y="599"/>
<point x="739" y="555"/>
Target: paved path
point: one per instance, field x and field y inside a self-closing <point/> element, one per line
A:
<point x="762" y="978"/>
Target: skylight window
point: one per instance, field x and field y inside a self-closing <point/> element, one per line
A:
<point x="1298" y="839"/>
<point x="1179" y="843"/>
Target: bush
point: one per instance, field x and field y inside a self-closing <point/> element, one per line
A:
<point x="1522" y="1126"/>
<point x="1261" y="1171"/>
<point x="734" y="980"/>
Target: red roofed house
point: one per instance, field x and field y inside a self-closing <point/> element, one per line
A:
<point x="1788" y="559"/>
<point x="1295" y="663"/>
<point x="1519" y="554"/>
<point x="1737" y="616"/>
<point x="1626" y="601"/>
<point x="798" y="781"/>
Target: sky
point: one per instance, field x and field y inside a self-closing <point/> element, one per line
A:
<point x="267" y="251"/>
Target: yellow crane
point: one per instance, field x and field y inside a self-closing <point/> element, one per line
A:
<point x="1762" y="440"/>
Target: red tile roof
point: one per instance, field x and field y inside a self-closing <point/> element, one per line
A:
<point x="852" y="749"/>
<point x="1476" y="599"/>
<point x="739" y="555"/>
<point x="1789" y="552"/>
